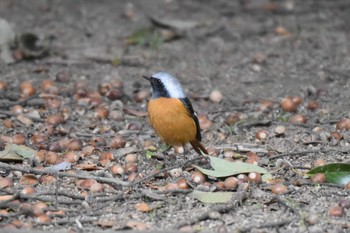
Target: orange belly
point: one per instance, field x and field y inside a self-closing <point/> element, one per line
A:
<point x="171" y="121"/>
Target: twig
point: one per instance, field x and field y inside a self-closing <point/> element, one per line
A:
<point x="308" y="152"/>
<point x="111" y="181"/>
<point x="20" y="102"/>
<point x="61" y="193"/>
<point x="252" y="123"/>
<point x="344" y="73"/>
<point x="43" y="199"/>
<point x="267" y="225"/>
<point x="237" y="200"/>
<point x="8" y="113"/>
<point x="67" y="221"/>
<point x="38" y="69"/>
<point x="242" y="147"/>
<point x="286" y="204"/>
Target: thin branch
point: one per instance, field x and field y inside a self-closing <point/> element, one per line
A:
<point x="308" y="152"/>
<point x="8" y="113"/>
<point x="111" y="181"/>
<point x="276" y="224"/>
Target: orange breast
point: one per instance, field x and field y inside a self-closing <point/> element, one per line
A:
<point x="171" y="121"/>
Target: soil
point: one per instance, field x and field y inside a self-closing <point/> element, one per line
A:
<point x="255" y="53"/>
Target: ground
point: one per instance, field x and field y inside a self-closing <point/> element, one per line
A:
<point x="255" y="53"/>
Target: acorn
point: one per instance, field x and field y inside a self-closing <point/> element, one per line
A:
<point x="198" y="177"/>
<point x="182" y="184"/>
<point x="216" y="96"/>
<point x="288" y="105"/>
<point x="262" y="135"/>
<point x="318" y="178"/>
<point x="254" y="177"/>
<point x="117" y="142"/>
<point x="27" y="89"/>
<point x="231" y="183"/>
<point x="298" y="119"/>
<point x="343" y="124"/>
<point x="279" y="189"/>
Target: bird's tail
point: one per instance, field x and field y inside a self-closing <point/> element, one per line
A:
<point x="198" y="147"/>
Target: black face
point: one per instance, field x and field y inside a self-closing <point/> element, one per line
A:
<point x="158" y="88"/>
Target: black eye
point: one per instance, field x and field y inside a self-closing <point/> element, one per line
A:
<point x="157" y="81"/>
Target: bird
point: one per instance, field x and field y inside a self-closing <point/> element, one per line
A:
<point x="171" y="113"/>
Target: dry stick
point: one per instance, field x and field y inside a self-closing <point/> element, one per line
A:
<point x="111" y="181"/>
<point x="32" y="197"/>
<point x="60" y="193"/>
<point x="8" y="113"/>
<point x="67" y="221"/>
<point x="267" y="225"/>
<point x="19" y="102"/>
<point x="237" y="200"/>
<point x="26" y="71"/>
<point x="308" y="152"/>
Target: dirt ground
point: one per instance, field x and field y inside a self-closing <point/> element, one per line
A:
<point x="255" y="53"/>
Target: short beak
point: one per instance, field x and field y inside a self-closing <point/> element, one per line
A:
<point x="146" y="77"/>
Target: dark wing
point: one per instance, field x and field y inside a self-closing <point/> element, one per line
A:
<point x="189" y="107"/>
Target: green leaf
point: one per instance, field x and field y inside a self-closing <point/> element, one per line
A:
<point x="336" y="173"/>
<point x="147" y="36"/>
<point x="209" y="197"/>
<point x="224" y="168"/>
<point x="16" y="152"/>
<point x="149" y="154"/>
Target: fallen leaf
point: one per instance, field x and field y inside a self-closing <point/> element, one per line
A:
<point x="143" y="207"/>
<point x="24" y="120"/>
<point x="212" y="197"/>
<point x="61" y="166"/>
<point x="105" y="223"/>
<point x="6" y="197"/>
<point x="135" y="112"/>
<point x="337" y="173"/>
<point x="175" y="24"/>
<point x="140" y="226"/>
<point x="281" y="31"/>
<point x="16" y="152"/>
<point x="223" y="168"/>
<point x="28" y="180"/>
<point x="87" y="167"/>
<point x="59" y="213"/>
<point x="5" y="182"/>
<point x="147" y="36"/>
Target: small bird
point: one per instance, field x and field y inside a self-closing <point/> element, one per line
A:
<point x="171" y="113"/>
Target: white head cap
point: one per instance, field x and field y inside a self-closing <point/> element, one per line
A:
<point x="166" y="85"/>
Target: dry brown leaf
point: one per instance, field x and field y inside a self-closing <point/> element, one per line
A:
<point x="281" y="31"/>
<point x="56" y="213"/>
<point x="5" y="182"/>
<point x="85" y="184"/>
<point x="140" y="226"/>
<point x="24" y="120"/>
<point x="87" y="167"/>
<point x="135" y="112"/>
<point x="6" y="197"/>
<point x="143" y="207"/>
<point x="105" y="223"/>
<point x="28" y="179"/>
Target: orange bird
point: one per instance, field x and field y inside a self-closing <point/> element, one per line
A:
<point x="171" y="114"/>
